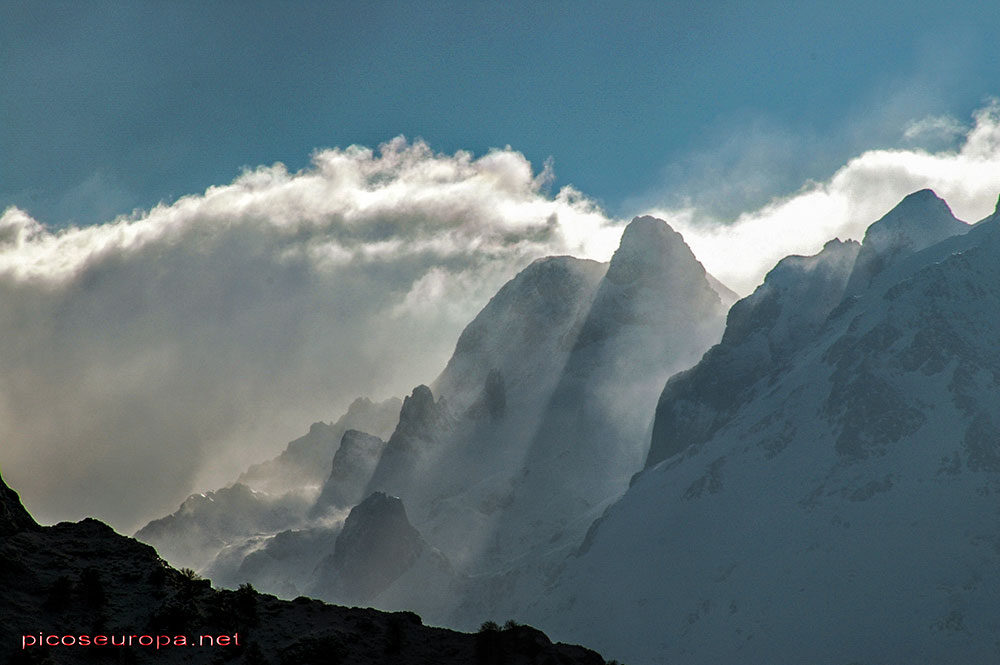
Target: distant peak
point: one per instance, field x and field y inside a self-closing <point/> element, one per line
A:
<point x="649" y="247"/>
<point x="646" y="227"/>
<point x="920" y="210"/>
<point x="421" y="401"/>
<point x="917" y="222"/>
<point x="359" y="404"/>
<point x="376" y="545"/>
<point x="838" y="245"/>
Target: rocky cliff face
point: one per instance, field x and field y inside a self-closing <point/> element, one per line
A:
<point x="424" y="424"/>
<point x="351" y="471"/>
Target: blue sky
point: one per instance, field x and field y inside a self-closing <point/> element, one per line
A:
<point x="109" y="106"/>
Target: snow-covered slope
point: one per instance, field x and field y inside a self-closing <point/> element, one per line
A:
<point x="919" y="221"/>
<point x="763" y="332"/>
<point x="820" y="488"/>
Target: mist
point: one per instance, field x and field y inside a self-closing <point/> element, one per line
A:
<point x="163" y="352"/>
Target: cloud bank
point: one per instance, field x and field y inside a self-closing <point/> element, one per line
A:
<point x="158" y="354"/>
<point x="161" y="353"/>
<point x="741" y="252"/>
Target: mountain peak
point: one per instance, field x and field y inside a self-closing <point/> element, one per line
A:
<point x="918" y="221"/>
<point x="419" y="414"/>
<point x="649" y="247"/>
<point x="353" y="466"/>
<point x="920" y="209"/>
<point x="377" y="545"/>
<point x="13" y="516"/>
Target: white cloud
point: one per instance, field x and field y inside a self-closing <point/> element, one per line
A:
<point x="143" y="358"/>
<point x="741" y="252"/>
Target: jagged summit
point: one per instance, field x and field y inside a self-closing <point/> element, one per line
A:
<point x="917" y="222"/>
<point x="418" y="408"/>
<point x="420" y="419"/>
<point x="376" y="546"/>
<point x="421" y="423"/>
<point x="13" y="516"/>
<point x="763" y="331"/>
<point x="352" y="468"/>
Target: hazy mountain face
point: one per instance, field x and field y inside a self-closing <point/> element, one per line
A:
<point x="654" y="313"/>
<point x="548" y="399"/>
<point x="306" y="460"/>
<point x="508" y="359"/>
<point x="537" y="422"/>
<point x="825" y="471"/>
<point x="270" y="497"/>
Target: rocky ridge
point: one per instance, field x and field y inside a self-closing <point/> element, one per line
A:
<point x="74" y="583"/>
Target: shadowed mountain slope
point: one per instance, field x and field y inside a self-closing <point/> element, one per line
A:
<point x="81" y="581"/>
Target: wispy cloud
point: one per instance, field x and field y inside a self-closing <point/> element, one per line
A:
<point x="938" y="127"/>
<point x="153" y="354"/>
<point x="740" y="252"/>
